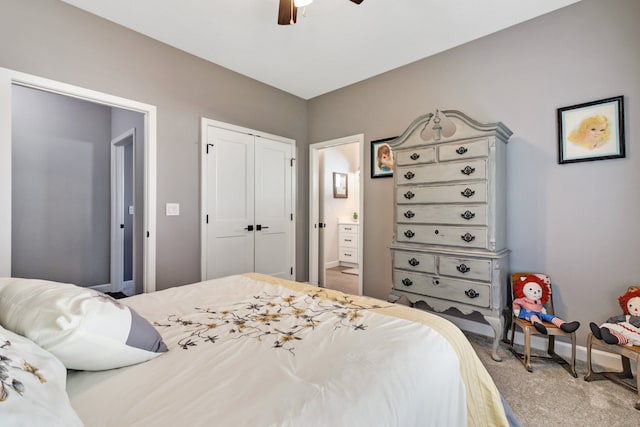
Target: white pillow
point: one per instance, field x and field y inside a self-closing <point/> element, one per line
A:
<point x="84" y="328"/>
<point x="32" y="385"/>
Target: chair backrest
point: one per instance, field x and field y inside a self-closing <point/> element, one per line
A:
<point x="515" y="277"/>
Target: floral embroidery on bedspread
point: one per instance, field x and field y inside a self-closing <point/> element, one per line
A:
<point x="7" y="381"/>
<point x="282" y="320"/>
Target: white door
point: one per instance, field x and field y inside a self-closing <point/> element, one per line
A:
<point x="247" y="204"/>
<point x="229" y="202"/>
<point x="122" y="211"/>
<point x="273" y="208"/>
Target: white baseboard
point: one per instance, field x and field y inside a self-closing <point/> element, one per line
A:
<point x="331" y="264"/>
<point x="603" y="359"/>
<point x="102" y="288"/>
<point x="127" y="287"/>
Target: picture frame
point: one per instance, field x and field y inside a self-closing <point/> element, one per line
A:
<point x="591" y="131"/>
<point x="340" y="185"/>
<point x="381" y="158"/>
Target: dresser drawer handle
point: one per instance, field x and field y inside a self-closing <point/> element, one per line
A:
<point x="409" y="214"/>
<point x="468" y="192"/>
<point x="463" y="268"/>
<point x="435" y="282"/>
<point x="415" y="156"/>
<point x="347" y="240"/>
<point x="409" y="195"/>
<point x="468" y="170"/>
<point x="471" y="293"/>
<point x="468" y="215"/>
<point x="413" y="262"/>
<point x="409" y="234"/>
<point x="407" y="282"/>
<point x="409" y="175"/>
<point x="468" y="237"/>
<point x="461" y="150"/>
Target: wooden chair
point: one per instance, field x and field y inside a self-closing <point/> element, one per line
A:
<point x="552" y="331"/>
<point x="626" y="353"/>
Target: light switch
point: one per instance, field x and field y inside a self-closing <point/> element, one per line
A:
<point x="131" y="210"/>
<point x="173" y="209"/>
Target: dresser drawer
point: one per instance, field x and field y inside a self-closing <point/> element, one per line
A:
<point x="417" y="156"/>
<point x="347" y="228"/>
<point x="459" y="193"/>
<point x="466" y="150"/>
<point x="442" y="172"/>
<point x="442" y="214"/>
<point x="466" y="237"/>
<point x="475" y="269"/>
<point x="348" y="240"/>
<point x="348" y="255"/>
<point x="414" y="261"/>
<point x="465" y="291"/>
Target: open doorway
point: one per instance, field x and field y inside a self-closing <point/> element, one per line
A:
<point x="336" y="206"/>
<point x="120" y="111"/>
<point x="123" y="223"/>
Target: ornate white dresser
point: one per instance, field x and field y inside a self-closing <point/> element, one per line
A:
<point x="449" y="247"/>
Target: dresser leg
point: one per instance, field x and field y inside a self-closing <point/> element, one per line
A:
<point x="498" y="327"/>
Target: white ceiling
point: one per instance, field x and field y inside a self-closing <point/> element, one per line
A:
<point x="338" y="43"/>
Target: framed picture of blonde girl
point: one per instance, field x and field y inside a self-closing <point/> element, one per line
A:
<point x="591" y="131"/>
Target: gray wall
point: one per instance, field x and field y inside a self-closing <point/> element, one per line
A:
<point x="576" y="222"/>
<point x="60" y="188"/>
<point x="51" y="39"/>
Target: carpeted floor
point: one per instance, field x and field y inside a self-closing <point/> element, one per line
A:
<point x="550" y="396"/>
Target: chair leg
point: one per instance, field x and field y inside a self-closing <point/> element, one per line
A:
<point x="569" y="366"/>
<point x="591" y="375"/>
<point x="527" y="350"/>
<point x="573" y="356"/>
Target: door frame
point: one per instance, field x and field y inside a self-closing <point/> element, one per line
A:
<point x="8" y="78"/>
<point x="204" y="124"/>
<point x="314" y="205"/>
<point x="117" y="207"/>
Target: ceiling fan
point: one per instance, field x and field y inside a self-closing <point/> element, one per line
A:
<point x="288" y="10"/>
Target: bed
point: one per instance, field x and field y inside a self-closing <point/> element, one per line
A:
<point x="254" y="350"/>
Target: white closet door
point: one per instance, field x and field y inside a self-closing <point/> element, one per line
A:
<point x="273" y="208"/>
<point x="229" y="203"/>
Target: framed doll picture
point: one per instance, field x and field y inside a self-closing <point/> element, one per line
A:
<point x="381" y="158"/>
<point x="591" y="131"/>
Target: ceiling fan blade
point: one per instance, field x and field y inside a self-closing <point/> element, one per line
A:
<point x="357" y="1"/>
<point x="287" y="12"/>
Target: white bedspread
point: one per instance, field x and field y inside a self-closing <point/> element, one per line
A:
<point x="244" y="352"/>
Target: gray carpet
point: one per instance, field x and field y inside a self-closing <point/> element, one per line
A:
<point x="550" y="396"/>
